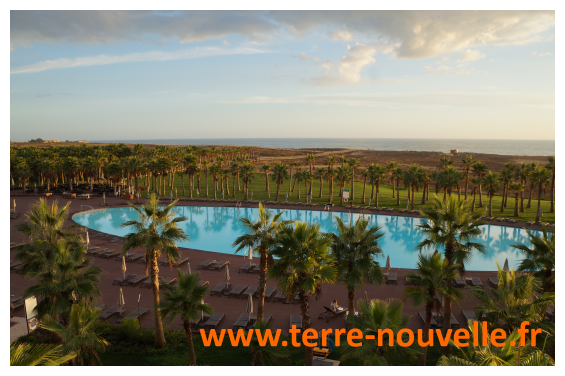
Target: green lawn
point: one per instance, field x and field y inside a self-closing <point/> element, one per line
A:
<point x="385" y="196"/>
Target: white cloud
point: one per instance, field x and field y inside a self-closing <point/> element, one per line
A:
<point x="533" y="54"/>
<point x="460" y="70"/>
<point x="414" y="34"/>
<point x="426" y="99"/>
<point x="471" y="55"/>
<point x="305" y="57"/>
<point x="545" y="54"/>
<point x="131" y="58"/>
<point x="226" y="43"/>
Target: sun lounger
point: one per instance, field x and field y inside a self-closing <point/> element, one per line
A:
<point x="89" y="250"/>
<point x="14" y="263"/>
<point x="206" y="264"/>
<point x="281" y="296"/>
<point x="127" y="278"/>
<point x="178" y="262"/>
<point x="100" y="306"/>
<point x="494" y="281"/>
<point x="530" y="223"/>
<point x="266" y="319"/>
<point x="147" y="282"/>
<point x="251" y="290"/>
<point x="476" y="281"/>
<point x="433" y="322"/>
<point x="454" y="322"/>
<point x="469" y="315"/>
<point x="219" y="265"/>
<point x="17" y="268"/>
<point x="114" y="310"/>
<point x="97" y="251"/>
<point x="200" y="320"/>
<point x="296" y="320"/>
<point x="18" y="303"/>
<point x="237" y="290"/>
<point x="242" y="322"/>
<point x="459" y="282"/>
<point x="257" y="269"/>
<point x="499" y="219"/>
<point x="269" y="291"/>
<point x="134" y="257"/>
<point x="215" y="319"/>
<point x="392" y="278"/>
<point x="111" y="254"/>
<point x="511" y="220"/>
<point x="15" y="299"/>
<point x="489" y="218"/>
<point x="220" y="288"/>
<point x="329" y="313"/>
<point x="135" y="314"/>
<point x="134" y="281"/>
<point x="246" y="267"/>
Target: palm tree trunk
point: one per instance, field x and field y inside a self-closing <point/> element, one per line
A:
<point x="364" y="186"/>
<point x="353" y="186"/>
<point x="298" y="189"/>
<point x="530" y="196"/>
<point x="262" y="284"/>
<point x="474" y="199"/>
<point x="393" y="188"/>
<point x="331" y="198"/>
<point x="503" y="195"/>
<point x="466" y="183"/>
<point x="322" y="184"/>
<point x="538" y="218"/>
<point x="377" y="195"/>
<point x="306" y="324"/>
<point x="159" y="333"/>
<point x="372" y="190"/>
<point x="278" y="189"/>
<point x="188" y="333"/>
<point x="522" y="202"/>
<point x="490" y="204"/>
<point x="398" y="191"/>
<point x="351" y="300"/>
<point x="413" y="193"/>
<point x="480" y="196"/>
<point x="246" y="191"/>
<point x="268" y="190"/>
<point x="182" y="181"/>
<point x="423" y="195"/>
<point x="516" y="214"/>
<point x="425" y="336"/>
<point x="290" y="181"/>
<point x="206" y="183"/>
<point x="233" y="187"/>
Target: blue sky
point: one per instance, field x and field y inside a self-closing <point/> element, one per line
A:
<point x="148" y="75"/>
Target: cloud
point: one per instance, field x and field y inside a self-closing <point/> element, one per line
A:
<point x="460" y="70"/>
<point x="414" y="34"/>
<point x="226" y="43"/>
<point x="545" y="54"/>
<point x="305" y="57"/>
<point x="471" y="55"/>
<point x="401" y="100"/>
<point x="131" y="58"/>
<point x="533" y="54"/>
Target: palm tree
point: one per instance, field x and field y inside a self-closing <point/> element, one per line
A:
<point x="261" y="236"/>
<point x="516" y="299"/>
<point x="551" y="167"/>
<point x="185" y="299"/>
<point x="532" y="166"/>
<point x="468" y="163"/>
<point x="298" y="169"/>
<point x="375" y="319"/>
<point x="266" y="168"/>
<point x="413" y="179"/>
<point x="298" y="178"/>
<point x="398" y="174"/>
<point x="479" y="170"/>
<point x="320" y="173"/>
<point x="310" y="158"/>
<point x="390" y="168"/>
<point x="509" y="167"/>
<point x="246" y="171"/>
<point x="25" y="354"/>
<point x="540" y="178"/>
<point x="509" y="354"/>
<point x="206" y="167"/>
<point x="63" y="272"/>
<point x="330" y="175"/>
<point x="133" y="164"/>
<point x="343" y="174"/>
<point x="157" y="230"/>
<point x="491" y="182"/>
<point x="262" y="355"/>
<point x="355" y="249"/>
<point x="79" y="336"/>
<point x="376" y="174"/>
<point x="71" y="166"/>
<point x="522" y="173"/>
<point x="540" y="259"/>
<point x="215" y="170"/>
<point x="302" y="267"/>
<point x="353" y="165"/>
<point x="364" y="175"/>
<point x="453" y="227"/>
<point x="506" y="179"/>
<point x="445" y="162"/>
<point x="190" y="169"/>
<point x="516" y="188"/>
<point x="330" y="161"/>
<point x="308" y="178"/>
<point x="433" y="281"/>
<point x="280" y="173"/>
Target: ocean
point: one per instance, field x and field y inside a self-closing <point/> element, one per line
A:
<point x="502" y="147"/>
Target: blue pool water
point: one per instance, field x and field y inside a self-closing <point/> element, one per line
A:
<point x="215" y="228"/>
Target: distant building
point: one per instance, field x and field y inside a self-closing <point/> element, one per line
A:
<point x="51" y="141"/>
<point x="83" y="142"/>
<point x="455" y="151"/>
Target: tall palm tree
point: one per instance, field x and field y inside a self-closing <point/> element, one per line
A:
<point x="215" y="170"/>
<point x="479" y="170"/>
<point x="308" y="178"/>
<point x="375" y="317"/>
<point x="398" y="174"/>
<point x="540" y="259"/>
<point x="516" y="299"/>
<point x="433" y="281"/>
<point x="302" y="267"/>
<point x="343" y="174"/>
<point x="522" y="173"/>
<point x="491" y="182"/>
<point x="468" y="163"/>
<point x="390" y="168"/>
<point x="25" y="354"/>
<point x="506" y="178"/>
<point x="266" y="168"/>
<point x="551" y="167"/>
<point x="157" y="230"/>
<point x="298" y="169"/>
<point x="509" y="168"/>
<point x="189" y="161"/>
<point x="330" y="175"/>
<point x="280" y="173"/>
<point x="475" y="182"/>
<point x="330" y="161"/>
<point x="445" y="162"/>
<point x="261" y="236"/>
<point x="354" y="165"/>
<point x="355" y="249"/>
<point x="133" y="165"/>
<point x="413" y="179"/>
<point x="185" y="299"/>
<point x="80" y="336"/>
<point x="364" y="175"/>
<point x="516" y="188"/>
<point x="298" y="178"/>
<point x="247" y="172"/>
<point x="310" y="159"/>
<point x="510" y="354"/>
<point x="533" y="166"/>
<point x="451" y="226"/>
<point x="376" y="174"/>
<point x="206" y="167"/>
<point x="320" y="173"/>
<point x="540" y="178"/>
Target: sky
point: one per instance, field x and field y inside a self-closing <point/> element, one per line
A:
<point x="97" y="75"/>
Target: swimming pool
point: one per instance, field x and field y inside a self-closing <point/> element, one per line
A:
<point x="215" y="228"/>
